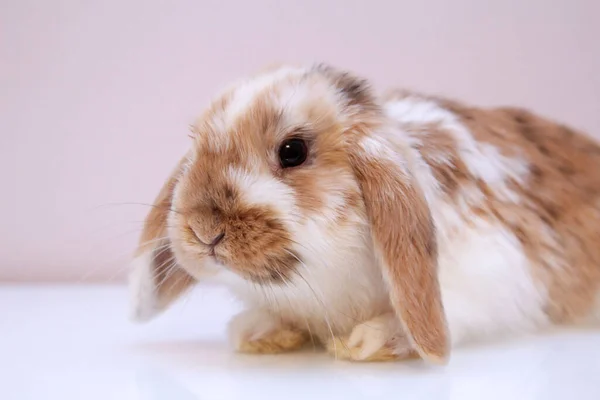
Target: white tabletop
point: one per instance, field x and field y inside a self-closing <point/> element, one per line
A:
<point x="76" y="343"/>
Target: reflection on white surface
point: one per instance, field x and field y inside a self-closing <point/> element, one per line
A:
<point x="76" y="343"/>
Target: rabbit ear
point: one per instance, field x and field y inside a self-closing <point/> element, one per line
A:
<point x="405" y="243"/>
<point x="156" y="280"/>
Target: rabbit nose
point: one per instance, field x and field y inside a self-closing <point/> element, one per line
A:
<point x="206" y="239"/>
<point x="217" y="239"/>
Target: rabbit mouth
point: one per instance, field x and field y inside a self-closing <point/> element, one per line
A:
<point x="266" y="269"/>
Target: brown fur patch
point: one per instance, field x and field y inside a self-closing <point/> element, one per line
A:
<point x="440" y="151"/>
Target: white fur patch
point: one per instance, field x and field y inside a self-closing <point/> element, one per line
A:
<point x="337" y="284"/>
<point x="335" y="199"/>
<point x="263" y="190"/>
<point x="374" y="148"/>
<point x="482" y="160"/>
<point x="377" y="148"/>
<point x="487" y="286"/>
<point x="142" y="289"/>
<point x="379" y="332"/>
<point x="298" y="101"/>
<point x="246" y="93"/>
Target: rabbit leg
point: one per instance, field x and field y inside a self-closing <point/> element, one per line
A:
<point x="379" y="339"/>
<point x="258" y="331"/>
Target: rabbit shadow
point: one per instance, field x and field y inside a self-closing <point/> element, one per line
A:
<point x="218" y="354"/>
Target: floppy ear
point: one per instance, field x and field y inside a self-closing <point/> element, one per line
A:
<point x="156" y="280"/>
<point x="405" y="243"/>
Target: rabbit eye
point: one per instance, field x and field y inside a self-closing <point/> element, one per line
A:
<point x="293" y="152"/>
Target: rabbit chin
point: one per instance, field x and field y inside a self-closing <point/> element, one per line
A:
<point x="213" y="270"/>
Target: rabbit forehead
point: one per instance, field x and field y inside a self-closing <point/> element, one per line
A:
<point x="274" y="103"/>
<point x="245" y="94"/>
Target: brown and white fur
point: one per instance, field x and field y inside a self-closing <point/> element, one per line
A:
<point x="415" y="225"/>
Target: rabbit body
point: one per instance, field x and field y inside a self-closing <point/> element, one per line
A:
<point x="415" y="224"/>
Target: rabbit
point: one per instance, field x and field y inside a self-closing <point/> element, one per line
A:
<point x="381" y="226"/>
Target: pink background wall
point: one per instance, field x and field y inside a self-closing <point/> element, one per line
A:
<point x="95" y="97"/>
